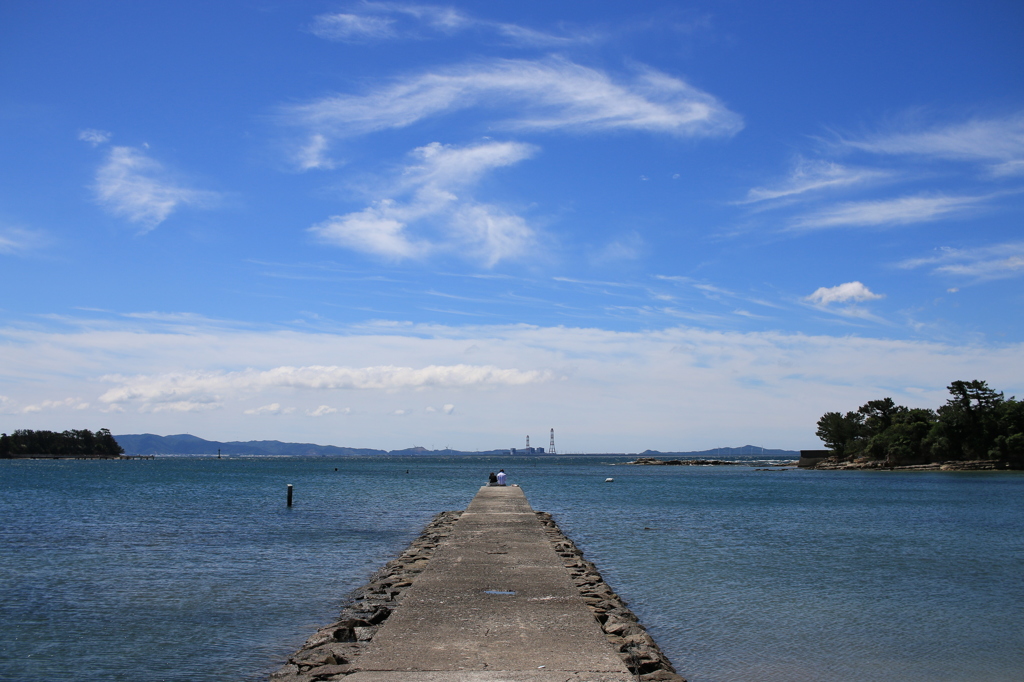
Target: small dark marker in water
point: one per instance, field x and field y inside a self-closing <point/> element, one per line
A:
<point x="335" y="468"/>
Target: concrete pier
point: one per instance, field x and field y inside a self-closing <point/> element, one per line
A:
<point x="494" y="604"/>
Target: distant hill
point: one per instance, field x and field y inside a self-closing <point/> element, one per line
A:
<point x="186" y="444"/>
<point x="744" y="451"/>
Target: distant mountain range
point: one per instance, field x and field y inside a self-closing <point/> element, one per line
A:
<point x="744" y="451"/>
<point x="185" y="444"/>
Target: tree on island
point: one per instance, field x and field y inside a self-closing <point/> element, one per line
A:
<point x="73" y="443"/>
<point x="975" y="423"/>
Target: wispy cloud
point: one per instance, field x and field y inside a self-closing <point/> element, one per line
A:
<point x="998" y="140"/>
<point x="313" y="154"/>
<point x="370" y="21"/>
<point x="18" y="240"/>
<point x="353" y="27"/>
<point x="843" y="293"/>
<point x="72" y="403"/>
<point x="134" y="186"/>
<point x="629" y="247"/>
<point x="900" y="211"/>
<point x="527" y="95"/>
<point x="995" y="143"/>
<point x="998" y="261"/>
<point x="809" y="176"/>
<point x="427" y="198"/>
<point x="94" y="137"/>
<point x="173" y="406"/>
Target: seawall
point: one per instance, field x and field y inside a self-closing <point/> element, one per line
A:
<point x="496" y="592"/>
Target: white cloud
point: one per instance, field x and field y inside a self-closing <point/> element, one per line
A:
<point x="1015" y="167"/>
<point x="314" y="154"/>
<point x="540" y="95"/>
<point x="16" y="240"/>
<point x="996" y="143"/>
<point x="177" y="406"/>
<point x="614" y="389"/>
<point x="377" y="230"/>
<point x="901" y="211"/>
<point x="998" y="261"/>
<point x="210" y="387"/>
<point x="93" y="136"/>
<point x="843" y="293"/>
<point x="322" y="410"/>
<point x="134" y="186"/>
<point x="809" y="176"/>
<point x="626" y="248"/>
<point x="490" y="233"/>
<point x="992" y="140"/>
<point x="448" y="409"/>
<point x="272" y="408"/>
<point x="392" y="20"/>
<point x="352" y="27"/>
<point x="72" y="403"/>
<point x="431" y="188"/>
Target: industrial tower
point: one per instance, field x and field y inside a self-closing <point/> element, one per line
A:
<point x="551" y="447"/>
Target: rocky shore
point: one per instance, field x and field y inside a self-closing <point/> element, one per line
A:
<point x="333" y="651"/>
<point x="654" y="461"/>
<point x="835" y="464"/>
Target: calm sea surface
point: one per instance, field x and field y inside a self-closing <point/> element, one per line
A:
<point x="192" y="569"/>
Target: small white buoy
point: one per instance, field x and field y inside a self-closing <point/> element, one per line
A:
<point x="609" y="480"/>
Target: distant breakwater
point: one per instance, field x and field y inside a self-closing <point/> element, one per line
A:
<point x="332" y="652"/>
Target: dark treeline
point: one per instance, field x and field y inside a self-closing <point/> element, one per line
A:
<point x="74" y="443"/>
<point x="975" y="423"/>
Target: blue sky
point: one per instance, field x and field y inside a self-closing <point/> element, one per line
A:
<point x="665" y="225"/>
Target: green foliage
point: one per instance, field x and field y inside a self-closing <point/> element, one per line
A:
<point x="840" y="431"/>
<point x="975" y="423"/>
<point x="74" y="443"/>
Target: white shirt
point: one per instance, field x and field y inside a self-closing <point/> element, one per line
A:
<point x="501" y="478"/>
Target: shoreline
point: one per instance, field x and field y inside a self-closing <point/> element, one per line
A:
<point x="332" y="652"/>
<point x="832" y="464"/>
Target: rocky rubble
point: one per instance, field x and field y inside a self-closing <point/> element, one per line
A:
<point x="329" y="654"/>
<point x="837" y="464"/>
<point x="621" y="627"/>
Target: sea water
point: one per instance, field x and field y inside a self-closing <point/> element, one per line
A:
<point x="194" y="569"/>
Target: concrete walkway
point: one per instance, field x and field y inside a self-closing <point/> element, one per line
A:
<point x="495" y="604"/>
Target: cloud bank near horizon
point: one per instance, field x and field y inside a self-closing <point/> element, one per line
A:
<point x="672" y="388"/>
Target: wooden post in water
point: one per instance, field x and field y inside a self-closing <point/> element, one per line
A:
<point x="289" y="494"/>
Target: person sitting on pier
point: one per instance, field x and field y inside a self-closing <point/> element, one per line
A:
<point x="501" y="477"/>
<point x="492" y="479"/>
